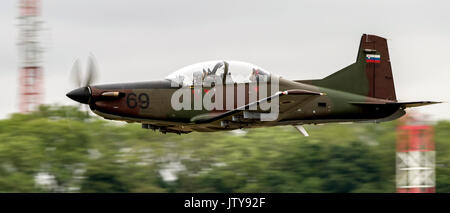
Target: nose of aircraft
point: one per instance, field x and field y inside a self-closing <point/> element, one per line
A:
<point x="81" y="95"/>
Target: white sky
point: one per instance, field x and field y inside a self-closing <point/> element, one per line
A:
<point x="143" y="40"/>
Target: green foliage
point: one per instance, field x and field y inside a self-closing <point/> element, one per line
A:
<point x="60" y="149"/>
<point x="442" y="140"/>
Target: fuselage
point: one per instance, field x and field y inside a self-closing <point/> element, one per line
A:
<point x="150" y="103"/>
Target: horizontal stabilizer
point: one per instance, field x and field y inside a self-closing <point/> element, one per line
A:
<point x="418" y="103"/>
<point x="400" y="104"/>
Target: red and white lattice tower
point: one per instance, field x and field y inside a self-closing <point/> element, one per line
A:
<point x="415" y="156"/>
<point x="30" y="56"/>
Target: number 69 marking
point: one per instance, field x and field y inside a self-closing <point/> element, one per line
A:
<point x="134" y="100"/>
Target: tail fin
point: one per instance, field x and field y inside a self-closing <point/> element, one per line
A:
<point x="370" y="75"/>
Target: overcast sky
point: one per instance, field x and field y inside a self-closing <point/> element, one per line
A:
<point x="140" y="40"/>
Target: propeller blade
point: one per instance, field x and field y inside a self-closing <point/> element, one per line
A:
<point x="75" y="74"/>
<point x="86" y="108"/>
<point x="91" y="74"/>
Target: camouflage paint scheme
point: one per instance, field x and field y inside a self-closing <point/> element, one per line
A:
<point x="360" y="92"/>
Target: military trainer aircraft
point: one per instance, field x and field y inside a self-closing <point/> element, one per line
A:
<point x="361" y="92"/>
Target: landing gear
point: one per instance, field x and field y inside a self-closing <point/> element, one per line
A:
<point x="164" y="129"/>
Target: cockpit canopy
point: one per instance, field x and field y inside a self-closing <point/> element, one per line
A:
<point x="225" y="72"/>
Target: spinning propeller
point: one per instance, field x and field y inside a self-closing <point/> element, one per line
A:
<point x="83" y="93"/>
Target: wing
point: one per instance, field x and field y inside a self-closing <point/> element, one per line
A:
<point x="139" y="120"/>
<point x="287" y="99"/>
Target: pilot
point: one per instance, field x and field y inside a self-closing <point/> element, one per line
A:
<point x="257" y="75"/>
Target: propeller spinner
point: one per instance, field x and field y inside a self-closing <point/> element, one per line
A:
<point x="83" y="93"/>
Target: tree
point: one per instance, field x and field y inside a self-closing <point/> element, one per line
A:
<point x="60" y="149"/>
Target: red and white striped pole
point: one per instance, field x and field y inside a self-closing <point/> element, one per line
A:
<point x="30" y="56"/>
<point x="415" y="156"/>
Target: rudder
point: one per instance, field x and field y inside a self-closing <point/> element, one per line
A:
<point x="379" y="72"/>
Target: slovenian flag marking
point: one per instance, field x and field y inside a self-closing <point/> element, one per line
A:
<point x="372" y="58"/>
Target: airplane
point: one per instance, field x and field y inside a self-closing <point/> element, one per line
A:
<point x="361" y="92"/>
